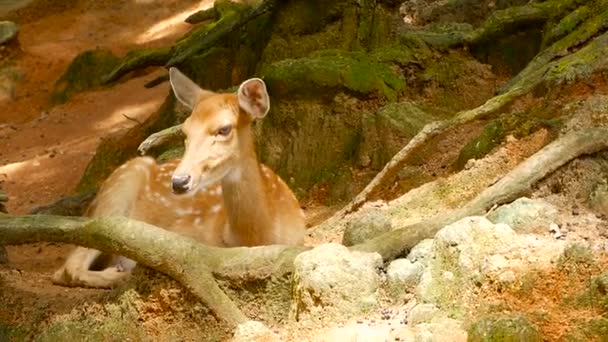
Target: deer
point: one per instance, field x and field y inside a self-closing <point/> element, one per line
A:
<point x="218" y="193"/>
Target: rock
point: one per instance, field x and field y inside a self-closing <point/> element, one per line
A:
<point x="403" y="274"/>
<point x="424" y="313"/>
<point x="460" y="253"/>
<point x="8" y="31"/>
<point x="422" y="252"/>
<point x="494" y="264"/>
<point x="253" y="331"/>
<point x="598" y="198"/>
<point x="440" y="330"/>
<point x="365" y="225"/>
<point x="504" y="327"/>
<point x="330" y="279"/>
<point x="526" y="215"/>
<point x="86" y="72"/>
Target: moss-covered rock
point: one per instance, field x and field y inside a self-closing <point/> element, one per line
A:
<point x="84" y="73"/>
<point x="461" y="252"/>
<point x="504" y="328"/>
<point x="455" y="82"/>
<point x="329" y="71"/>
<point x="385" y="132"/>
<point x="490" y="137"/>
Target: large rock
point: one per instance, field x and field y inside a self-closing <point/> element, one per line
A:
<point x="460" y="251"/>
<point x="403" y="275"/>
<point x="526" y="215"/>
<point x="422" y="252"/>
<point x="8" y="31"/>
<point x="331" y="280"/>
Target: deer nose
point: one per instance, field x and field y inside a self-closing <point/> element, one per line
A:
<point x="179" y="183"/>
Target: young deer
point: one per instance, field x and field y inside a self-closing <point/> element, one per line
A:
<point x="218" y="193"/>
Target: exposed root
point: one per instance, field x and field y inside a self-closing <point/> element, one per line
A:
<point x="67" y="206"/>
<point x="194" y="43"/>
<point x="193" y="264"/>
<point x="499" y="23"/>
<point x="594" y="54"/>
<point x="159" y="138"/>
<point x="179" y="257"/>
<point x="520" y="179"/>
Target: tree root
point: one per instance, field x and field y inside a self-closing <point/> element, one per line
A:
<point x="194" y="265"/>
<point x="160" y="138"/>
<point x="562" y="47"/>
<point x="74" y="205"/>
<point x="179" y="257"/>
<point x="498" y="23"/>
<point x="594" y="51"/>
<point x="195" y="42"/>
<point x="518" y="180"/>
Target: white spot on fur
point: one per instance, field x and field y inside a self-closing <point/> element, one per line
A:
<point x="184" y="212"/>
<point x="197" y="221"/>
<point x="216" y="208"/>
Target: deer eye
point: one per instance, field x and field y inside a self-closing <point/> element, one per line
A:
<point x="224" y="131"/>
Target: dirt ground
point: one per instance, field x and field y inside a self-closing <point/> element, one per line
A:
<point x="44" y="150"/>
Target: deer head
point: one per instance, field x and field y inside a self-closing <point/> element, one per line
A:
<point x="215" y="130"/>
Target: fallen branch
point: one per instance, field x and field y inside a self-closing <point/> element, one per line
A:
<point x="520" y="179"/>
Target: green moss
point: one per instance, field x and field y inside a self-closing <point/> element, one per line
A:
<point x="516" y="124"/>
<point x="332" y="70"/>
<point x="490" y="137"/>
<point x="567" y="24"/>
<point x="575" y="256"/>
<point x="171" y="154"/>
<point x="595" y="295"/>
<point x="503" y="328"/>
<point x="84" y="73"/>
<point x="12" y="333"/>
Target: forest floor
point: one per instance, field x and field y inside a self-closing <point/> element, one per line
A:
<point x="44" y="149"/>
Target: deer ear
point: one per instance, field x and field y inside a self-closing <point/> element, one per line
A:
<point x="253" y="98"/>
<point x="186" y="91"/>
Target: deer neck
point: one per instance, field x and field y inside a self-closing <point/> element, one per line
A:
<point x="245" y="195"/>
